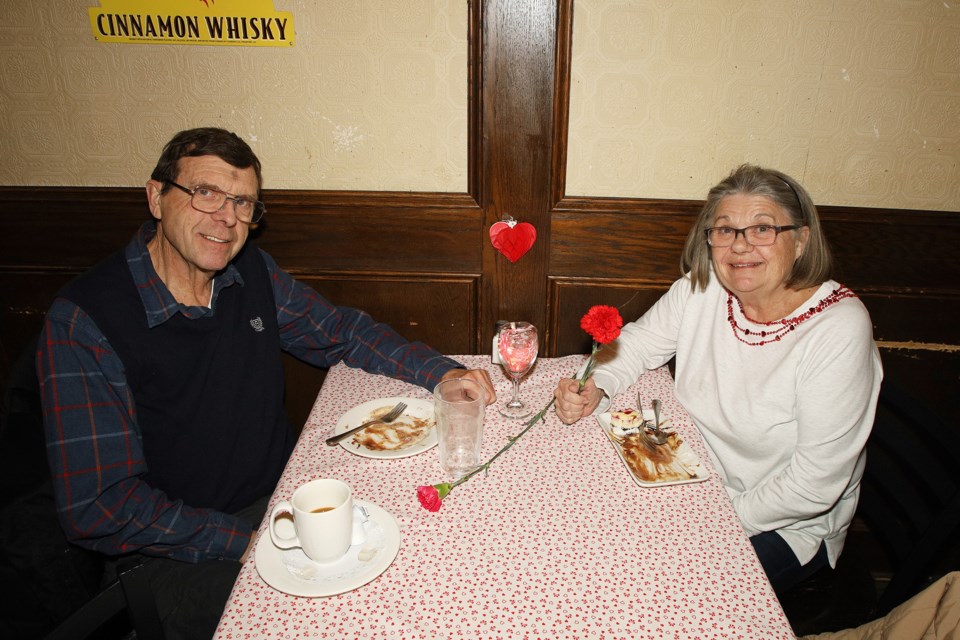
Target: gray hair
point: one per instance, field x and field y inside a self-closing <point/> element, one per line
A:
<point x="812" y="268"/>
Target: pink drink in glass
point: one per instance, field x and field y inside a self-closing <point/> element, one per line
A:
<point x="518" y="347"/>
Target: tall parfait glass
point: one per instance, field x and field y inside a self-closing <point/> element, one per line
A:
<point x="517" y="345"/>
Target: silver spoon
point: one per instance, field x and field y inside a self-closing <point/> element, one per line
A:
<point x="654" y="435"/>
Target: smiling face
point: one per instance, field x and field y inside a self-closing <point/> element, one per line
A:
<point x="756" y="275"/>
<point x="192" y="246"/>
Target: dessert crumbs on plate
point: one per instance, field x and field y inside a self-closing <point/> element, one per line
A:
<point x="653" y="462"/>
<point x="404" y="432"/>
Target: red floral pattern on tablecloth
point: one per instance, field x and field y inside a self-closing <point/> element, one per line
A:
<point x="557" y="541"/>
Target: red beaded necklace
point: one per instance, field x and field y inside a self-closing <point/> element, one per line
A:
<point x="779" y="328"/>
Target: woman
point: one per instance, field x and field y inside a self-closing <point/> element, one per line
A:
<point x="775" y="363"/>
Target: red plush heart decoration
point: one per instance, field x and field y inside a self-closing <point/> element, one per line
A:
<point x="512" y="240"/>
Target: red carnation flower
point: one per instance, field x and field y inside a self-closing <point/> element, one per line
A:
<point x="602" y="323"/>
<point x="431" y="496"/>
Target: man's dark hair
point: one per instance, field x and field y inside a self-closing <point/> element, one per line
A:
<point x="205" y="141"/>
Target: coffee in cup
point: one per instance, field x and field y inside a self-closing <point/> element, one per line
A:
<point x="322" y="514"/>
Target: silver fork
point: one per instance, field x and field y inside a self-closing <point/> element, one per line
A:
<point x="655" y="435"/>
<point x="392" y="415"/>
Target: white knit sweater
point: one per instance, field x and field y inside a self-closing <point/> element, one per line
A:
<point x="785" y="423"/>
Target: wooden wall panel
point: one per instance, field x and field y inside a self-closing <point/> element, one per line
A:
<point x="920" y="317"/>
<point x="439" y="311"/>
<point x="67" y="227"/>
<point x="571" y="298"/>
<point x="385" y="232"/>
<point x="913" y="252"/>
<point x="626" y="238"/>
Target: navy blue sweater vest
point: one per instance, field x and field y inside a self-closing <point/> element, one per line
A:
<point x="208" y="392"/>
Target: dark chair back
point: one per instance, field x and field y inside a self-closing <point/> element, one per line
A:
<point x="907" y="524"/>
<point x="910" y="495"/>
<point x="23" y="460"/>
<point x="130" y="592"/>
<point x="53" y="585"/>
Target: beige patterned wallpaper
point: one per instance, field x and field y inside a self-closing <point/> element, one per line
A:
<point x="373" y="96"/>
<point x="857" y="99"/>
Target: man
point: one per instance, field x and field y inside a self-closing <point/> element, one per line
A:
<point x="162" y="380"/>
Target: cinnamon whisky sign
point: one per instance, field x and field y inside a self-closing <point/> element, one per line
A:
<point x="249" y="23"/>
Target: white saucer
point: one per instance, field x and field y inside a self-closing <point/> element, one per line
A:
<point x="292" y="572"/>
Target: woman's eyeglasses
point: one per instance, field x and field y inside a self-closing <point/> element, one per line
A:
<point x="758" y="235"/>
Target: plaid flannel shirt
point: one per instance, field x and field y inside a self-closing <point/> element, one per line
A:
<point x="104" y="505"/>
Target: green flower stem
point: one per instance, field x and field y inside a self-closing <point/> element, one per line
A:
<point x="532" y="421"/>
<point x="591" y="363"/>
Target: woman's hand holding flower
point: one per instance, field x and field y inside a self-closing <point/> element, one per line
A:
<point x="572" y="403"/>
<point x="578" y="398"/>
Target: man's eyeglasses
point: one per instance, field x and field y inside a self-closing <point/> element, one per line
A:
<point x="210" y="200"/>
<point x="758" y="235"/>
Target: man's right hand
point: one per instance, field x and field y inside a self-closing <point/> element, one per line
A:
<point x="477" y="375"/>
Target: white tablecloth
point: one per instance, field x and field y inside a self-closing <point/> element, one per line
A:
<point x="556" y="542"/>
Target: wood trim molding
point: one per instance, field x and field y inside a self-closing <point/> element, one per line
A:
<point x="475" y="62"/>
<point x="561" y="102"/>
<point x="313" y="201"/>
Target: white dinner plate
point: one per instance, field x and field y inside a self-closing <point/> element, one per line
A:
<point x="292" y="572"/>
<point x="684" y="452"/>
<point x="421" y="409"/>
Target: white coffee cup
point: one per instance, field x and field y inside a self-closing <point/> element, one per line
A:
<point x="323" y="526"/>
